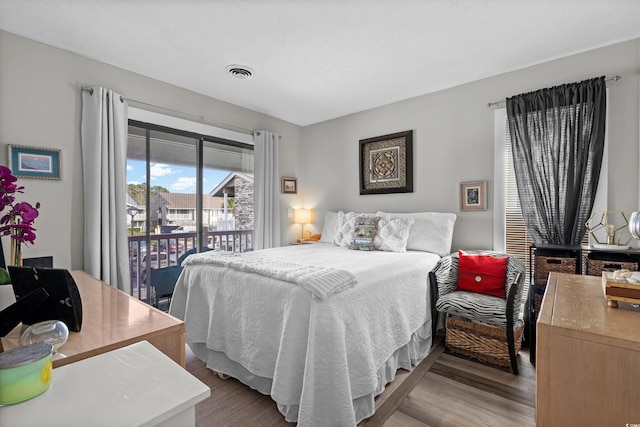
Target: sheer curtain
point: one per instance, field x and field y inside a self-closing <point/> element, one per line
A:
<point x="557" y="138"/>
<point x="266" y="191"/>
<point x="104" y="153"/>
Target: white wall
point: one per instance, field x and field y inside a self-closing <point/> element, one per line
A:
<point x="40" y="105"/>
<point x="453" y="142"/>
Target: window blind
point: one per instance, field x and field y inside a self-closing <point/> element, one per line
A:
<point x="517" y="240"/>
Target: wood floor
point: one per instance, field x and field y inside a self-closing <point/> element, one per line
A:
<point x="448" y="391"/>
<point x="460" y="392"/>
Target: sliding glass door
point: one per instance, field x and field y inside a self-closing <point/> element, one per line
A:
<point x="187" y="192"/>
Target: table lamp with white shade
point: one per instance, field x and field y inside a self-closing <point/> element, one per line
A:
<point x="302" y="217"/>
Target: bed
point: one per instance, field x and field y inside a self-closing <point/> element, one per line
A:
<point x="321" y="328"/>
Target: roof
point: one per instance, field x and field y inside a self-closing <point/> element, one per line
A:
<point x="131" y="201"/>
<point x="188" y="201"/>
<point x="228" y="184"/>
<point x="137" y="200"/>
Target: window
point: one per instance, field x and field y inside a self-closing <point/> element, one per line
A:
<point x="517" y="240"/>
<point x="186" y="191"/>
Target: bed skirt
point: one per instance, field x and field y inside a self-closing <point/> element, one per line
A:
<point x="405" y="357"/>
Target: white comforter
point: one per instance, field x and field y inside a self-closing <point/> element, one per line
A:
<point x="321" y="281"/>
<point x="318" y="354"/>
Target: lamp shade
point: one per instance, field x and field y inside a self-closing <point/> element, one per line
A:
<point x="302" y="216"/>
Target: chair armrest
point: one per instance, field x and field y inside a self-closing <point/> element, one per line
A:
<point x="516" y="274"/>
<point x="513" y="302"/>
<point x="446" y="274"/>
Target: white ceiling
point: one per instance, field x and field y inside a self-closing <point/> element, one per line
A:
<point x="315" y="60"/>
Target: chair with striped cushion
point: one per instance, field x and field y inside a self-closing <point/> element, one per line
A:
<point x="485" y="327"/>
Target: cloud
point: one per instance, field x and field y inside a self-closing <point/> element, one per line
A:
<point x="130" y="167"/>
<point x="184" y="183"/>
<point x="160" y="169"/>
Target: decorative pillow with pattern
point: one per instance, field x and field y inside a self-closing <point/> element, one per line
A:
<point x="346" y="227"/>
<point x="364" y="234"/>
<point x="393" y="233"/>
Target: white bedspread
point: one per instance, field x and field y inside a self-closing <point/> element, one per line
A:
<point x="319" y="354"/>
<point x="321" y="281"/>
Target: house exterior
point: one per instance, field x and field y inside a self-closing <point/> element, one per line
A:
<point x="229" y="206"/>
<point x="179" y="209"/>
<point x="238" y="186"/>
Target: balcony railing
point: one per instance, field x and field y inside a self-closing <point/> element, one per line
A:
<point x="166" y="249"/>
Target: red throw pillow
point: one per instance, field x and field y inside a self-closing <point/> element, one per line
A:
<point x="483" y="274"/>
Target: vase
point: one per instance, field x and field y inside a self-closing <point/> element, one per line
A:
<point x="16" y="252"/>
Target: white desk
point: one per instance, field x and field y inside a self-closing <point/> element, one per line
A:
<point x="136" y="385"/>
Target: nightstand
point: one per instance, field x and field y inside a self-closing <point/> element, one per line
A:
<point x="303" y="242"/>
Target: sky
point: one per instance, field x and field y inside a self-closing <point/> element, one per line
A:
<point x="176" y="179"/>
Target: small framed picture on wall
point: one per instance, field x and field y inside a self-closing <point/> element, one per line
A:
<point x="473" y="196"/>
<point x="289" y="185"/>
<point x="34" y="162"/>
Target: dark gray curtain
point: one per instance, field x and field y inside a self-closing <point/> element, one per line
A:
<point x="557" y="138"/>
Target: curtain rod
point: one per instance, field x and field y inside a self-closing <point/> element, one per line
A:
<point x="497" y="103"/>
<point x="219" y="124"/>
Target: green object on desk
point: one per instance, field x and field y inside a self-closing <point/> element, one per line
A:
<point x="25" y="372"/>
<point x="4" y="277"/>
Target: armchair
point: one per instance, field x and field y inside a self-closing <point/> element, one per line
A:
<point x="485" y="327"/>
<point x="163" y="280"/>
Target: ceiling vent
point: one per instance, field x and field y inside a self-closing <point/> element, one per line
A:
<point x="239" y="71"/>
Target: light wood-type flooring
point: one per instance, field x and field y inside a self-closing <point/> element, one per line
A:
<point x="444" y="390"/>
<point x="460" y="392"/>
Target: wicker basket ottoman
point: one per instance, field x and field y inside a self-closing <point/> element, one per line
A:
<point x="480" y="341"/>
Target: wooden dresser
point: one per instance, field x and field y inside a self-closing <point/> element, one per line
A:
<point x="588" y="362"/>
<point x="112" y="319"/>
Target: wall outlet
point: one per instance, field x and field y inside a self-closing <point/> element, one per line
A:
<point x="290" y="213"/>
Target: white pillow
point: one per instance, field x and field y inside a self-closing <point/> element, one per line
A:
<point x="431" y="232"/>
<point x="393" y="233"/>
<point x="329" y="227"/>
<point x="345" y="228"/>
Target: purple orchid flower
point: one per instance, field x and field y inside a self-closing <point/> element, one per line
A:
<point x="18" y="221"/>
